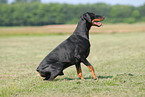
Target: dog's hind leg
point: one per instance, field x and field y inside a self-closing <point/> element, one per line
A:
<point x="55" y="70"/>
<point x="47" y="76"/>
<point x="54" y="75"/>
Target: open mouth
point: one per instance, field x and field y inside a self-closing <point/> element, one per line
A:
<point x="96" y="22"/>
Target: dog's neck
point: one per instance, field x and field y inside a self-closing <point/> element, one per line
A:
<point x="83" y="28"/>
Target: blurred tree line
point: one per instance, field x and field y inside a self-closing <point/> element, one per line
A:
<point x="33" y="12"/>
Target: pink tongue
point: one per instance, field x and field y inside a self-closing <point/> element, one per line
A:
<point x="98" y="23"/>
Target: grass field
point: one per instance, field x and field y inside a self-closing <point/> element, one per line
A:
<point x="118" y="59"/>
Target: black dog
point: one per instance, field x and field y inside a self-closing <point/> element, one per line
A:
<point x="73" y="50"/>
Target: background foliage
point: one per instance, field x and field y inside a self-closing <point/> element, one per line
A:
<point x="32" y="13"/>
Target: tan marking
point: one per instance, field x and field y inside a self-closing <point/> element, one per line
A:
<point x="79" y="72"/>
<point x="93" y="72"/>
<point x="53" y="79"/>
<point x="40" y="74"/>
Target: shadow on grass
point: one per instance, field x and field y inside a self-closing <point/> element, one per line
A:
<point x="99" y="77"/>
<point x="125" y="74"/>
<point x="104" y="77"/>
<point x="69" y="79"/>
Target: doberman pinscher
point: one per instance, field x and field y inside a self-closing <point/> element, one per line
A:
<point x="73" y="50"/>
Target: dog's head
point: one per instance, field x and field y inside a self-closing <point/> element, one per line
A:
<point x="93" y="19"/>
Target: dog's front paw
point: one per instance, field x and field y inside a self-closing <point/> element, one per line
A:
<point x="95" y="78"/>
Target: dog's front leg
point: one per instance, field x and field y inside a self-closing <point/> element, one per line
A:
<point x="79" y="70"/>
<point x="85" y="61"/>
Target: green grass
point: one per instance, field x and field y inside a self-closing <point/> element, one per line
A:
<point x="118" y="59"/>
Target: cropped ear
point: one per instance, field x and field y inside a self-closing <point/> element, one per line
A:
<point x="87" y="17"/>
